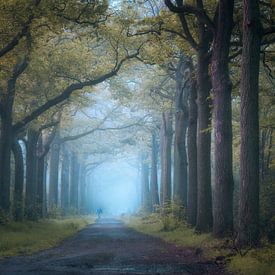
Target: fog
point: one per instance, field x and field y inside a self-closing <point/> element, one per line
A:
<point x="115" y="187"/>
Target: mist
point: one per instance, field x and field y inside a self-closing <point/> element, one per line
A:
<point x="115" y="188"/>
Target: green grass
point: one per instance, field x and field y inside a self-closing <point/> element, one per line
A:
<point x="27" y="237"/>
<point x="181" y="234"/>
<point x="255" y="262"/>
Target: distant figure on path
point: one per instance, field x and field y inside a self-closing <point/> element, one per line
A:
<point x="99" y="212"/>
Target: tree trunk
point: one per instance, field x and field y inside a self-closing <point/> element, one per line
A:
<point x="249" y="167"/>
<point x="181" y="124"/>
<point x="31" y="175"/>
<point x="166" y="143"/>
<point x="145" y="193"/>
<point x="82" y="189"/>
<point x="204" y="207"/>
<point x="223" y="185"/>
<point x="54" y="169"/>
<point x="5" y="160"/>
<point x="192" y="157"/>
<point x="40" y="186"/>
<point x="19" y="181"/>
<point x="154" y="172"/>
<point x="65" y="174"/>
<point x="74" y="182"/>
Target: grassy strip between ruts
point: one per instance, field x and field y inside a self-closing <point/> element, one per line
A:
<point x="255" y="262"/>
<point x="27" y="237"/>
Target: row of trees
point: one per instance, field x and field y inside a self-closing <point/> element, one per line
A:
<point x="215" y="40"/>
<point x="40" y="41"/>
<point x="50" y="63"/>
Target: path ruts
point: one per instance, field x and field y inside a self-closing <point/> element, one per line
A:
<point x="108" y="247"/>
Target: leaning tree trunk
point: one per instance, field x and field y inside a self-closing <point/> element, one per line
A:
<point x="54" y="170"/>
<point x="19" y="181"/>
<point x="249" y="166"/>
<point x="223" y="184"/>
<point x="166" y="144"/>
<point x="181" y="124"/>
<point x="31" y="208"/>
<point x="154" y="172"/>
<point x="192" y="157"/>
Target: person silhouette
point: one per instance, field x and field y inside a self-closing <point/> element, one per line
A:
<point x="99" y="212"/>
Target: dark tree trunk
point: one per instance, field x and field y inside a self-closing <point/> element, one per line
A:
<point x="192" y="157"/>
<point x="166" y="144"/>
<point x="41" y="186"/>
<point x="145" y="193"/>
<point x="204" y="206"/>
<point x="74" y="182"/>
<point x="19" y="181"/>
<point x="223" y="185"/>
<point x="65" y="174"/>
<point x="5" y="160"/>
<point x="54" y="170"/>
<point x="181" y="124"/>
<point x="154" y="172"/>
<point x="249" y="168"/>
<point x="31" y="175"/>
<point x="82" y="189"/>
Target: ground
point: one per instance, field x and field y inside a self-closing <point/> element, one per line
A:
<point x="109" y="247"/>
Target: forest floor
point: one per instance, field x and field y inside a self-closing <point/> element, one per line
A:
<point x="109" y="247"/>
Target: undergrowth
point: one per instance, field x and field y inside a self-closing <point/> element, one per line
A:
<point x="29" y="236"/>
<point x="255" y="262"/>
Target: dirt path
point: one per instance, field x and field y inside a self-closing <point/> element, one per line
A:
<point x="108" y="247"/>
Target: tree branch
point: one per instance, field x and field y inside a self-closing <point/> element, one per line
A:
<point x="68" y="91"/>
<point x="25" y="29"/>
<point x="188" y="9"/>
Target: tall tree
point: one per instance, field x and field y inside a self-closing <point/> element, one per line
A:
<point x="166" y="144"/>
<point x="202" y="49"/>
<point x="222" y="87"/>
<point x="181" y="125"/>
<point x="192" y="155"/>
<point x="154" y="171"/>
<point x="249" y="158"/>
<point x="145" y="191"/>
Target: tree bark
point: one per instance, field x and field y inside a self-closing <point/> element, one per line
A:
<point x="145" y="193"/>
<point x="54" y="170"/>
<point x="41" y="171"/>
<point x="18" y="203"/>
<point x="249" y="168"/>
<point x="154" y="172"/>
<point x="5" y="160"/>
<point x="181" y="124"/>
<point x="166" y="144"/>
<point x="65" y="174"/>
<point x="74" y="182"/>
<point x="82" y="189"/>
<point x="31" y="175"/>
<point x="223" y="185"/>
<point x="192" y="157"/>
<point x="204" y="206"/>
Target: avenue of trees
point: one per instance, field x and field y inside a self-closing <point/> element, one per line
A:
<point x="185" y="86"/>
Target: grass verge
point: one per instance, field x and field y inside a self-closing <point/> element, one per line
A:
<point x="255" y="262"/>
<point x="27" y="237"/>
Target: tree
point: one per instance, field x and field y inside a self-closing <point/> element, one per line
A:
<point x="249" y="158"/>
<point x="222" y="87"/>
<point x="202" y="49"/>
